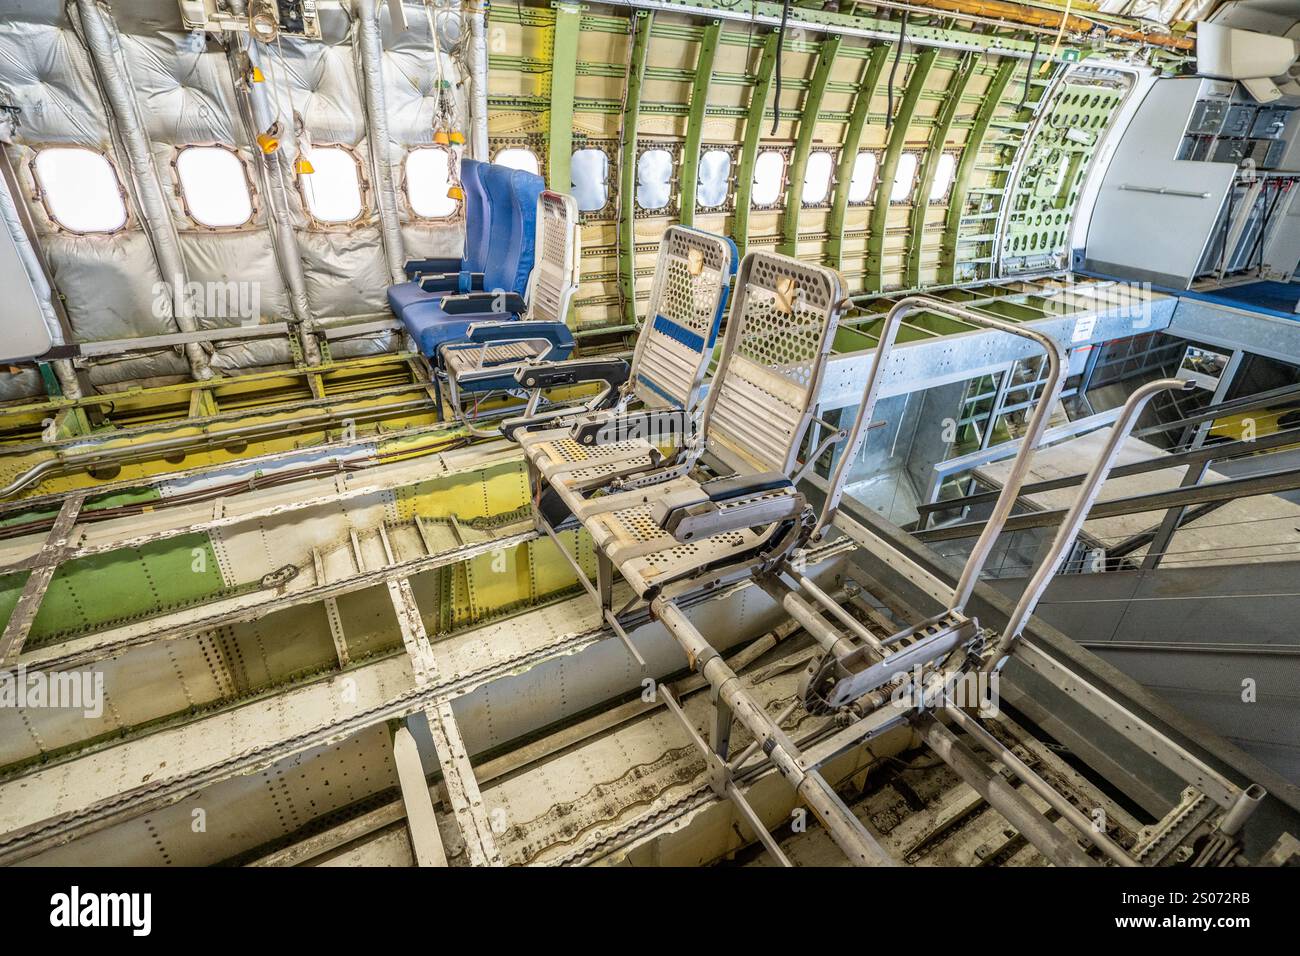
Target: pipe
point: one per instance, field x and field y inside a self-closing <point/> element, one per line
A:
<point x="1002" y="797"/>
<point x="1247" y="802"/>
<point x="370" y="48"/>
<point x="1018" y="13"/>
<point x="1004" y="15"/>
<point x="105" y="47"/>
<point x="1019" y="468"/>
<point x="844" y="828"/>
<point x="1077" y="514"/>
<point x="828" y="602"/>
<point x="827" y="637"/>
<point x="1055" y="800"/>
<point x="275" y="168"/>
<point x="478" y="68"/>
<point x="145" y="451"/>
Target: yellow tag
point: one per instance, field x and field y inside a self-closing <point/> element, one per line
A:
<point x="695" y="261"/>
<point x="785" y="294"/>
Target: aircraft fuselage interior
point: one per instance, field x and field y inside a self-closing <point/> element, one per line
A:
<point x="650" y="433"/>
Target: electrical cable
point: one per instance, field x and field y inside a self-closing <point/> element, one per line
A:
<point x="1029" y="73"/>
<point x="893" y="72"/>
<point x="780" y="45"/>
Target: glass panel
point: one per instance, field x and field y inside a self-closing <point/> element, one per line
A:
<point x="817" y="177"/>
<point x="769" y="170"/>
<point x="519" y="158"/>
<point x="864" y="177"/>
<point x="715" y="176"/>
<point x="903" y="178"/>
<point x="214" y="186"/>
<point x="81" y="189"/>
<point x="943" y="173"/>
<point x="654" y="174"/>
<point x="332" y="190"/>
<point x="589" y="171"/>
<point x="428" y="177"/>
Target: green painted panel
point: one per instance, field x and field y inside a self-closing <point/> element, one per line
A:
<point x="105" y="589"/>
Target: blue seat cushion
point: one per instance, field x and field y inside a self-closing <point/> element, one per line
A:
<point x="406" y="294"/>
<point x="430" y="326"/>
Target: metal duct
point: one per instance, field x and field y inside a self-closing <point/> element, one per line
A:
<point x="276" y="167"/>
<point x="369" y="46"/>
<point x="478" y="69"/>
<point x="102" y="41"/>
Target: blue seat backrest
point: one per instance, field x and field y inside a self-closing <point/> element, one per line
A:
<point x="499" y="267"/>
<point x="478" y="220"/>
<point x="527" y="188"/>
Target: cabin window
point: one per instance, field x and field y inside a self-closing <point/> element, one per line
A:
<point x="903" y="178"/>
<point x="715" y="177"/>
<point x="769" y="171"/>
<point x="519" y="157"/>
<point x="863" y="183"/>
<point x="428" y="177"/>
<point x="333" y="188"/>
<point x="214" y="186"/>
<point x="80" y="189"/>
<point x="817" y="178"/>
<point x="943" y="173"/>
<point x="654" y="176"/>
<point x="589" y="171"/>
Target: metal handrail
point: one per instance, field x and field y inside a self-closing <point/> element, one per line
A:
<point x="1020" y="467"/>
<point x="1077" y="514"/>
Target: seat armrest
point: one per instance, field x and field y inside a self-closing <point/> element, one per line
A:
<point x="484" y="303"/>
<point x="734" y="503"/>
<point x="613" y="372"/>
<point x="743" y="486"/>
<point x="414" y="268"/>
<point x="650" y="425"/>
<point x="514" y="330"/>
<point x="456" y="282"/>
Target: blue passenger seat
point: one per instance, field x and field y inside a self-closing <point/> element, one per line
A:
<point x="434" y="317"/>
<point x="433" y="275"/>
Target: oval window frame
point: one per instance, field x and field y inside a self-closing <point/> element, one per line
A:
<point x="605" y="183"/>
<point x="42" y="190"/>
<point x="249" y="188"/>
<point x="363" y="191"/>
<point x="519" y="148"/>
<point x="457" y="205"/>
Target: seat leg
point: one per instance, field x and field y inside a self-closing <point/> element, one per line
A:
<point x="720" y="729"/>
<point x="437" y="391"/>
<point x="605" y="581"/>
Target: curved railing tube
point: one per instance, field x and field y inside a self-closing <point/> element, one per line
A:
<point x="1077" y="514"/>
<point x="1020" y="466"/>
